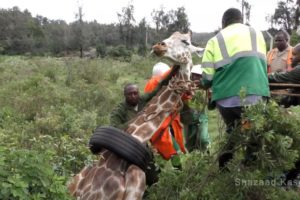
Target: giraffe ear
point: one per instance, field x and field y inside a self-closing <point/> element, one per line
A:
<point x="199" y="52"/>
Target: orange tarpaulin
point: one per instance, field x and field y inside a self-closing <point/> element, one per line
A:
<point x="162" y="138"/>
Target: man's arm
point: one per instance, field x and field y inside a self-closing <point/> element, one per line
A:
<point x="208" y="65"/>
<point x="148" y="96"/>
<point x="292" y="76"/>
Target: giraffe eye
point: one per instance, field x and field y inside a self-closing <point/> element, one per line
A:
<point x="185" y="42"/>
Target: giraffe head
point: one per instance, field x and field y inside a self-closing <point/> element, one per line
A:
<point x="178" y="48"/>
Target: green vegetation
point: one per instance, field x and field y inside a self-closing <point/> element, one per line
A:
<point x="274" y="137"/>
<point x="49" y="108"/>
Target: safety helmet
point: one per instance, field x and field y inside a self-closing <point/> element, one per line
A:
<point x="197" y="69"/>
<point x="159" y="69"/>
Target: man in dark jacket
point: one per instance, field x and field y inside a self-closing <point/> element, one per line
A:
<point x="134" y="102"/>
<point x="128" y="109"/>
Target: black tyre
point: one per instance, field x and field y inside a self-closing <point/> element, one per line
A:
<point x="122" y="144"/>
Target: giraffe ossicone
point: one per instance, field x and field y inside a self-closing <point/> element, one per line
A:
<point x="114" y="178"/>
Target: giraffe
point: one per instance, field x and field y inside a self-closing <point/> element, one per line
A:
<point x="112" y="177"/>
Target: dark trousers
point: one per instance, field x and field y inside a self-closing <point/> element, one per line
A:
<point x="292" y="175"/>
<point x="232" y="118"/>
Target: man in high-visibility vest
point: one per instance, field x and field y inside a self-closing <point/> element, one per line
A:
<point x="234" y="61"/>
<point x="280" y="58"/>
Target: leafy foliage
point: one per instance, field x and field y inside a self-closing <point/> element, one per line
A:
<point x="286" y="15"/>
<point x="198" y="102"/>
<point x="272" y="133"/>
<point x="27" y="174"/>
<point x="101" y="50"/>
<point x="49" y="108"/>
<point x="120" y="52"/>
<point x="21" y="33"/>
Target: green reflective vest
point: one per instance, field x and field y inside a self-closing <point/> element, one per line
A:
<point x="235" y="59"/>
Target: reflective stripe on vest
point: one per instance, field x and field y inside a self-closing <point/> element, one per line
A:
<point x="288" y="62"/>
<point x="227" y="59"/>
<point x="217" y="54"/>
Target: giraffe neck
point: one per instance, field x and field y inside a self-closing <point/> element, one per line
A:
<point x="167" y="101"/>
<point x="185" y="71"/>
<point x="103" y="172"/>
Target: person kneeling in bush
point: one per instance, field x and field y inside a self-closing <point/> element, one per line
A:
<point x="194" y="116"/>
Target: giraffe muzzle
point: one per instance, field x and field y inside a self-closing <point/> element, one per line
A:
<point x="159" y="49"/>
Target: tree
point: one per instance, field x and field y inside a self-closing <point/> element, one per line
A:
<point x="143" y="36"/>
<point x="160" y="19"/>
<point x="179" y="21"/>
<point x="57" y="36"/>
<point x="167" y="23"/>
<point x="284" y="15"/>
<point x="78" y="40"/>
<point x="109" y="34"/>
<point x="246" y="11"/>
<point x="126" y="23"/>
<point x="297" y="14"/>
<point x="17" y="31"/>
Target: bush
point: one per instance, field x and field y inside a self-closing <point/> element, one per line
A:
<point x="45" y="125"/>
<point x="295" y="38"/>
<point x="101" y="50"/>
<point x="27" y="175"/>
<point x="142" y="50"/>
<point x="276" y="134"/>
<point x="120" y="52"/>
<point x="49" y="107"/>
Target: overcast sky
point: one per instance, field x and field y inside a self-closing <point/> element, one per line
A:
<point x="204" y="15"/>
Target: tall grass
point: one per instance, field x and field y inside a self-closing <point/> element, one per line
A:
<point x="52" y="105"/>
<point x="49" y="108"/>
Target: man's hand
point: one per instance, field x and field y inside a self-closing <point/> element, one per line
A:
<point x="200" y="86"/>
<point x="197" y="83"/>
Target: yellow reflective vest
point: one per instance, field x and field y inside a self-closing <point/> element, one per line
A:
<point x="235" y="59"/>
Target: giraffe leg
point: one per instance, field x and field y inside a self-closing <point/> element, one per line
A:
<point x="135" y="183"/>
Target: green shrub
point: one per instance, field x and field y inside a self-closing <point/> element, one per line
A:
<point x="27" y="175"/>
<point x="49" y="108"/>
<point x="101" y="50"/>
<point x="276" y="133"/>
<point x="120" y="52"/>
<point x="295" y="38"/>
<point x="142" y="50"/>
